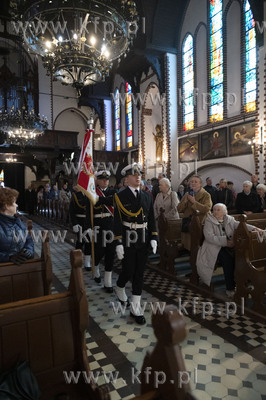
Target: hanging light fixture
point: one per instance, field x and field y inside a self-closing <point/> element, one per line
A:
<point x="79" y="40"/>
<point x="22" y="128"/>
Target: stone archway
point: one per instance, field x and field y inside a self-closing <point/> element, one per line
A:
<point x="229" y="172"/>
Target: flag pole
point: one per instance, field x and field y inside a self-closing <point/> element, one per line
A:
<point x="92" y="219"/>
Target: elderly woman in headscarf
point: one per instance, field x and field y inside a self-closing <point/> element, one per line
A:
<point x="167" y="200"/>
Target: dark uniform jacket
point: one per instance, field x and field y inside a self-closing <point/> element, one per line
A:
<point x="77" y="209"/>
<point x="102" y="217"/>
<point x="134" y="210"/>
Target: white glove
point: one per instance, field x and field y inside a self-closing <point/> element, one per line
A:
<point x="120" y="251"/>
<point x="76" y="228"/>
<point x="153" y="246"/>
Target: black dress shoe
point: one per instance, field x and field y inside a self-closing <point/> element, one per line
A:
<point x="124" y="303"/>
<point x="97" y="280"/>
<point x="139" y="319"/>
<point x="87" y="268"/>
<point x="108" y="289"/>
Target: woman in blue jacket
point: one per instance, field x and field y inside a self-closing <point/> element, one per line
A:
<point x="16" y="245"/>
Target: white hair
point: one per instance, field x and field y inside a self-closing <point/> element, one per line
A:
<point x="261" y="186"/>
<point x="223" y="206"/>
<point x="247" y="183"/>
<point x="166" y="180"/>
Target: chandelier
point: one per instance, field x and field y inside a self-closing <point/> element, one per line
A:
<point x="79" y="40"/>
<point x="22" y="128"/>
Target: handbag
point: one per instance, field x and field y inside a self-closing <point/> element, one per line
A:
<point x="19" y="383"/>
<point x="185" y="227"/>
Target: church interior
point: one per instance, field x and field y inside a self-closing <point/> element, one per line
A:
<point x="179" y="87"/>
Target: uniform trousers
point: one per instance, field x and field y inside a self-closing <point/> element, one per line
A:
<point x="133" y="265"/>
<point x="106" y="250"/>
<point x="83" y="244"/>
<point x="226" y="258"/>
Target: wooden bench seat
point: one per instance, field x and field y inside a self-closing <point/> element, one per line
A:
<point x="30" y="279"/>
<point x="170" y="241"/>
<point x="250" y="267"/>
<point x="49" y="332"/>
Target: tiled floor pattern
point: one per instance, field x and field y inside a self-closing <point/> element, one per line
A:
<point x="225" y="356"/>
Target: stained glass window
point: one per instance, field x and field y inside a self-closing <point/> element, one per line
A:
<point x="2" y="178"/>
<point x="117" y="121"/>
<point x="251" y="60"/>
<point x="188" y="84"/>
<point x="216" y="50"/>
<point x="129" y="114"/>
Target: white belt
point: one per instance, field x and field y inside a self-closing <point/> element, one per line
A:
<point x="102" y="215"/>
<point x="80" y="215"/>
<point x="134" y="225"/>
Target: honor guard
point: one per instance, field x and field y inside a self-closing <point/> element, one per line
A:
<point x="77" y="212"/>
<point x="103" y="215"/>
<point x="135" y="230"/>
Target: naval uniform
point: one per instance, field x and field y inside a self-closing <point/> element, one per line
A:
<point x="134" y="213"/>
<point x="77" y="212"/>
<point x="103" y="217"/>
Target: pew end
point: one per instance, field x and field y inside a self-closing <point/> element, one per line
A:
<point x="166" y="358"/>
<point x="250" y="268"/>
<point x="169" y="242"/>
<point x="49" y="332"/>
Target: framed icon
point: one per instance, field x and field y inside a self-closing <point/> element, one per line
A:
<point x="188" y="149"/>
<point x="213" y="144"/>
<point x="239" y="138"/>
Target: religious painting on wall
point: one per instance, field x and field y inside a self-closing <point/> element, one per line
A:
<point x="213" y="144"/>
<point x="188" y="149"/>
<point x="240" y="136"/>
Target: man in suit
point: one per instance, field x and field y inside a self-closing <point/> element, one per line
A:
<point x="103" y="217"/>
<point x="135" y="231"/>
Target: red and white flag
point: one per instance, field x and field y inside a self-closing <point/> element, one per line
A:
<point x="86" y="179"/>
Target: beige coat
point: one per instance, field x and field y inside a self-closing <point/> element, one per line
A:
<point x="203" y="204"/>
<point x="169" y="203"/>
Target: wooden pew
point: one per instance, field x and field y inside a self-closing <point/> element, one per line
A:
<point x="166" y="359"/>
<point x="197" y="237"/>
<point x="170" y="240"/>
<point x="253" y="216"/>
<point x="49" y="332"/>
<point x="250" y="267"/>
<point x="30" y="279"/>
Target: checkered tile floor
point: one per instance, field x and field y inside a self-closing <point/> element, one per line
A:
<point x="225" y="354"/>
